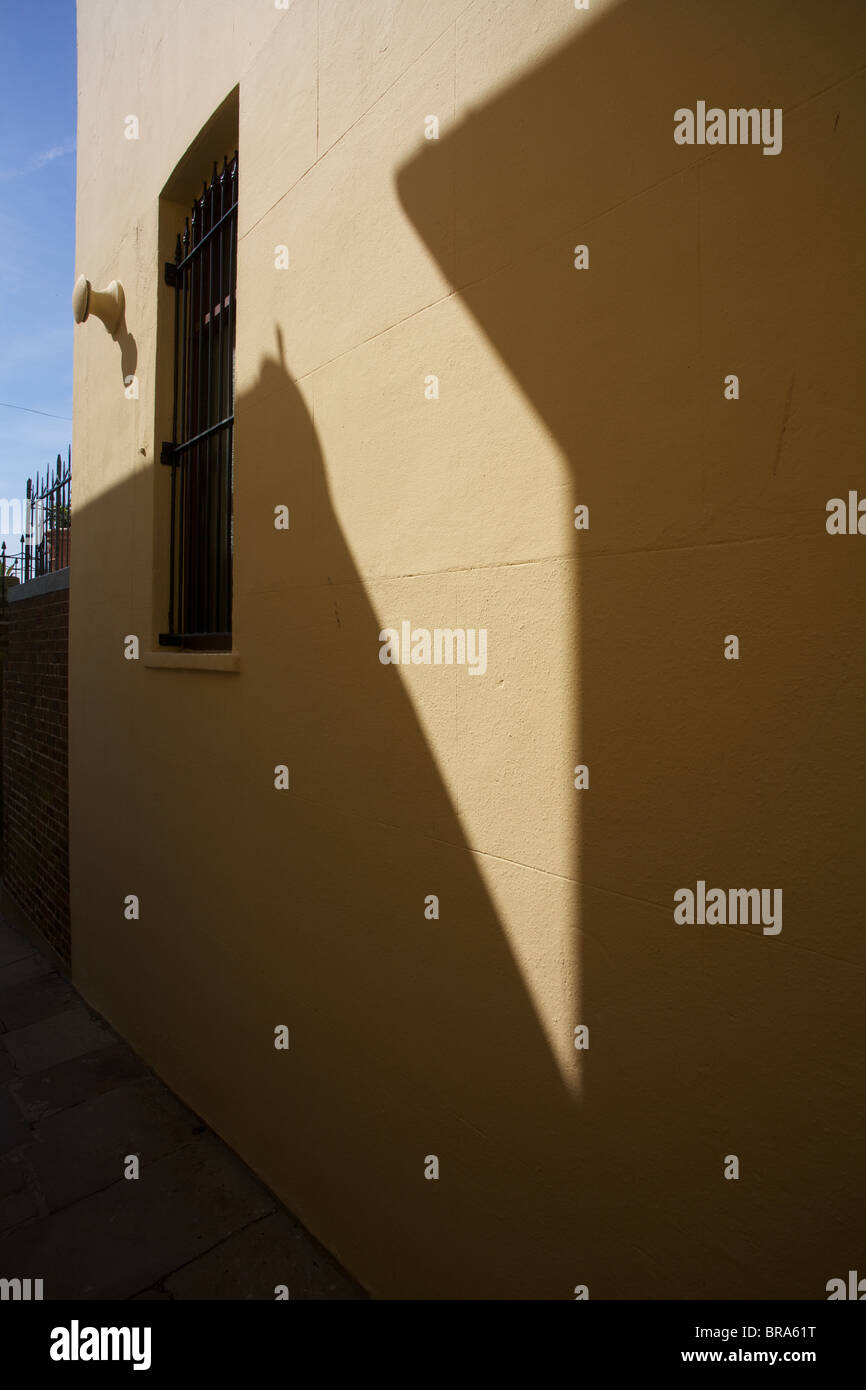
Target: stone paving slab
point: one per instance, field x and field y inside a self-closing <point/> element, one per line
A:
<point x="46" y="1092"/>
<point x="14" y="1129"/>
<point x="120" y="1241"/>
<point x="70" y="1033"/>
<point x="75" y="1102"/>
<point x="17" y="1209"/>
<point x="80" y="1150"/>
<point x="250" y="1265"/>
<point x="33" y="999"/>
<point x="13" y="1174"/>
<point x="13" y="946"/>
<point x="26" y="967"/>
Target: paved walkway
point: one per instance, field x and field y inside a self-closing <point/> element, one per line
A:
<point x="74" y="1100"/>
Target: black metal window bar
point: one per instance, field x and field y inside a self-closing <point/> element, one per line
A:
<point x="47" y="518"/>
<point x="203" y="277"/>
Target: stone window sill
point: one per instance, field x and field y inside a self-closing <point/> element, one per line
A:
<point x="192" y="661"/>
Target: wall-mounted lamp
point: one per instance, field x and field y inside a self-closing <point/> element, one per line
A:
<point x="107" y="305"/>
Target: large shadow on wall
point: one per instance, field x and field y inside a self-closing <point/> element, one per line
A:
<point x="706" y="519"/>
<point x="409" y="1036"/>
<point x="411" y="1018"/>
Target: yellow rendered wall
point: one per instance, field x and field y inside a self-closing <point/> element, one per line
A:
<point x="558" y="387"/>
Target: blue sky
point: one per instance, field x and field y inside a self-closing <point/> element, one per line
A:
<point x="37" y="234"/>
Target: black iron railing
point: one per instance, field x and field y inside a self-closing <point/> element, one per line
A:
<point x="203" y="276"/>
<point x="46" y="538"/>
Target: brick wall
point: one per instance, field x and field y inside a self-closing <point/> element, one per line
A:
<point x="33" y="755"/>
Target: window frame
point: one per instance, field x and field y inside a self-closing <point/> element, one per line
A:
<point x="200" y="452"/>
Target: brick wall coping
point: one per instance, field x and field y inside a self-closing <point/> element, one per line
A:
<point x="45" y="584"/>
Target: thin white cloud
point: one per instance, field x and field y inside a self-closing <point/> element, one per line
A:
<point x="56" y="152"/>
<point x="34" y="165"/>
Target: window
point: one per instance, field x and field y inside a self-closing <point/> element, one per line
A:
<point x="199" y="454"/>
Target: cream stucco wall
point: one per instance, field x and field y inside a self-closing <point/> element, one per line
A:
<point x="557" y="387"/>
